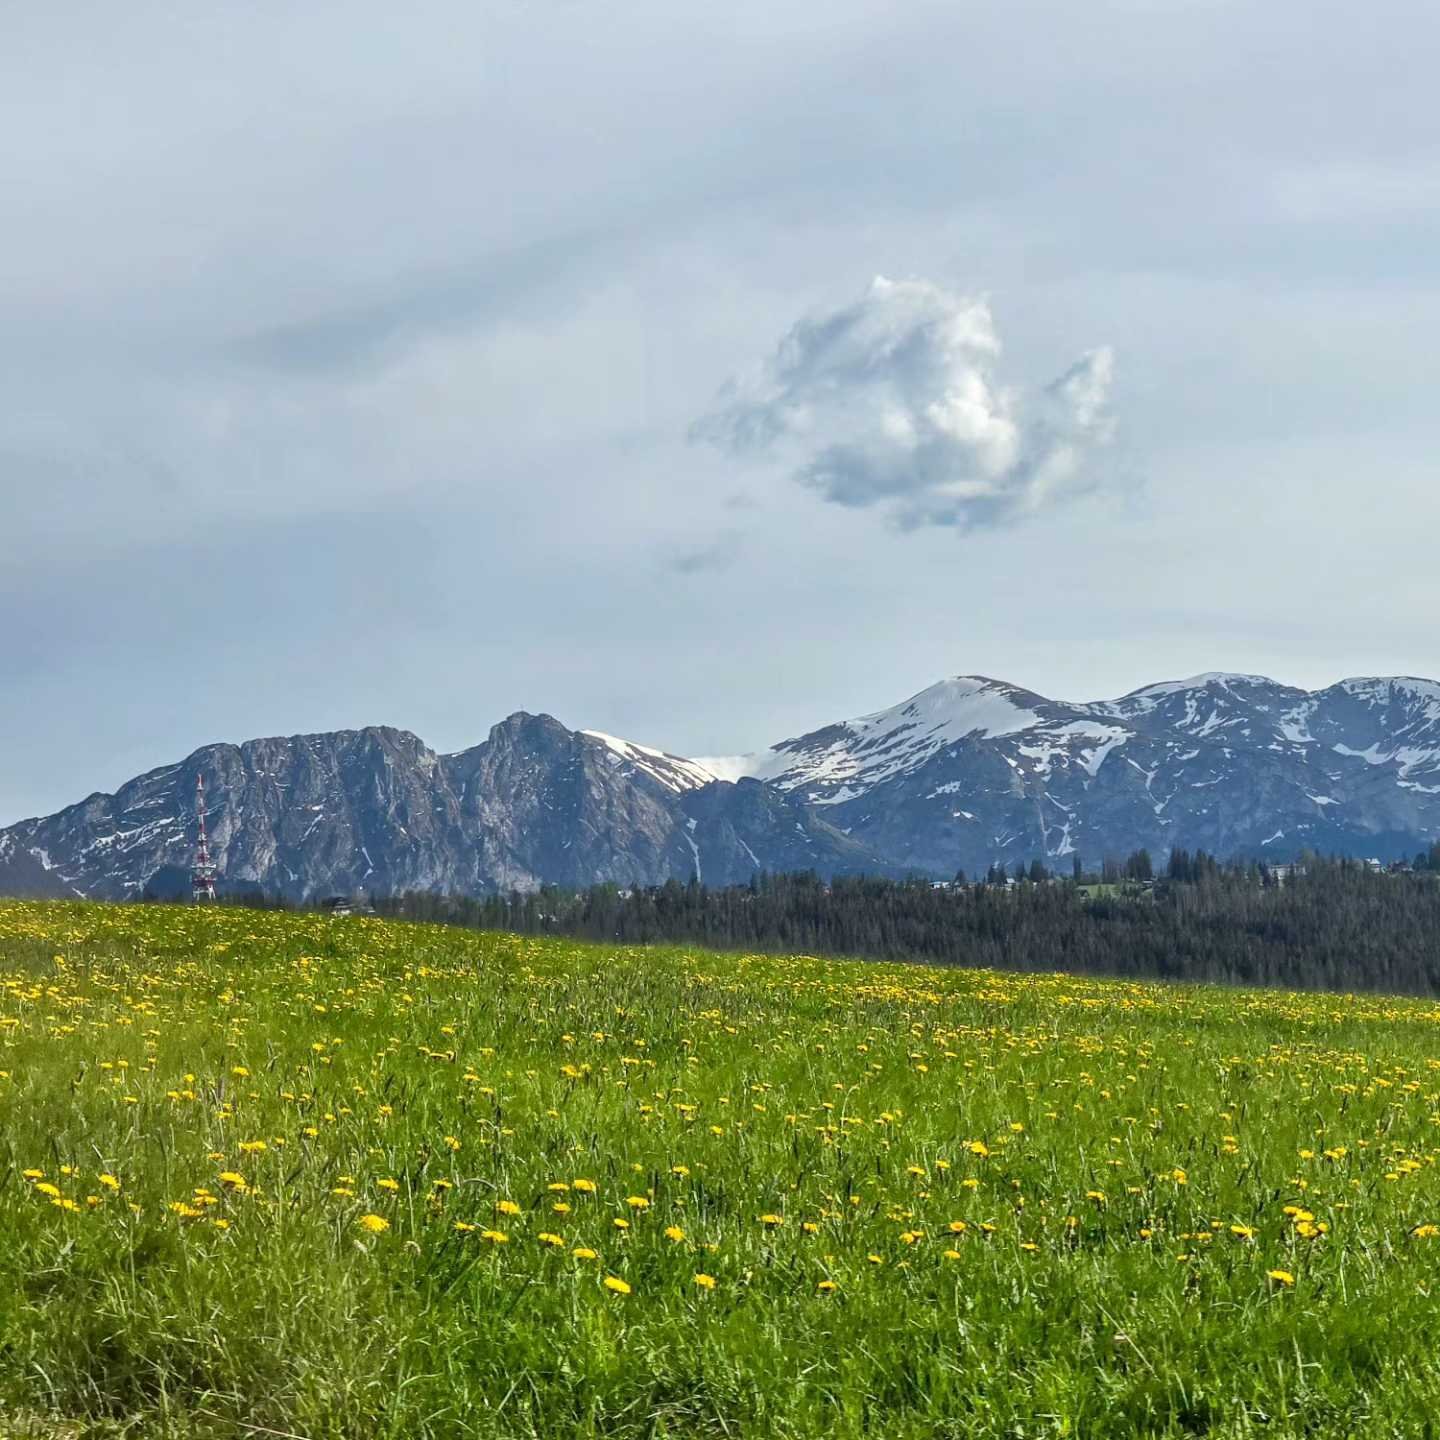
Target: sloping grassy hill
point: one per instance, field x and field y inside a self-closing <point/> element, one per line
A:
<point x="275" y="1175"/>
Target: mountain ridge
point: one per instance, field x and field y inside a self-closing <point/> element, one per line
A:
<point x="966" y="772"/>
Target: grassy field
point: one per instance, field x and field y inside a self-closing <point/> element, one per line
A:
<point x="274" y="1175"/>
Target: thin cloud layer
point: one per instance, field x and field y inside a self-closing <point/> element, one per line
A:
<point x="893" y="402"/>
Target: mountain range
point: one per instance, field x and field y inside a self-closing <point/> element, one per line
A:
<point x="966" y="773"/>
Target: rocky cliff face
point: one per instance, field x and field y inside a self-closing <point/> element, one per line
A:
<point x="376" y="809"/>
<point x="965" y="773"/>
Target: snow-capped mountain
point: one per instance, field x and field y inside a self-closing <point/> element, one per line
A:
<point x="967" y="772"/>
<point x="974" y="770"/>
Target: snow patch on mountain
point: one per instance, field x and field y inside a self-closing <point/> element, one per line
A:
<point x="846" y="760"/>
<point x="672" y="771"/>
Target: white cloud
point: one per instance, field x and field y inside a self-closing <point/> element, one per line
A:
<point x="893" y="401"/>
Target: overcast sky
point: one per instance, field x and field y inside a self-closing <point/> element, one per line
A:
<point x="368" y="363"/>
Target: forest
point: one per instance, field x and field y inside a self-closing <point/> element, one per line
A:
<point x="1333" y="924"/>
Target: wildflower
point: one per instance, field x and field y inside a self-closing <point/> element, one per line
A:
<point x="585" y="1187"/>
<point x="46" y="1188"/>
<point x="637" y="1202"/>
<point x="230" y="1179"/>
<point x="827" y="1287"/>
<point x="1283" y="1279"/>
<point x="109" y="1182"/>
<point x="506" y="1207"/>
<point x="464" y="1227"/>
<point x="390" y="1185"/>
<point x="705" y="1282"/>
<point x="957" y="1227"/>
<point x="373" y="1224"/>
<point x="253" y="1147"/>
<point x="582" y="1253"/>
<point x="615" y="1283"/>
<point x="675" y="1233"/>
<point x="772" y="1221"/>
<point x="545" y="1237"/>
<point x="495" y="1237"/>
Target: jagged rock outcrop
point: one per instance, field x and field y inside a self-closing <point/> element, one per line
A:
<point x="376" y="809"/>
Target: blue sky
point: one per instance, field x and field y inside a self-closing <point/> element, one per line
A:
<point x="362" y="363"/>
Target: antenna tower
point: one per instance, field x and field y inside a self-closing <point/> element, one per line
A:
<point x="202" y="877"/>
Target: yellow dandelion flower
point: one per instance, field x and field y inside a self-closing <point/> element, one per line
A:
<point x="615" y="1283"/>
<point x="705" y="1282"/>
<point x="373" y="1224"/>
<point x="1282" y="1278"/>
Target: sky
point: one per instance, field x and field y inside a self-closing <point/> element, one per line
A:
<point x="700" y="374"/>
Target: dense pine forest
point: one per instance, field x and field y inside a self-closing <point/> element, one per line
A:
<point x="1329" y="924"/>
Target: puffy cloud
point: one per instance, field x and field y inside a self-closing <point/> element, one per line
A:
<point x="893" y="401"/>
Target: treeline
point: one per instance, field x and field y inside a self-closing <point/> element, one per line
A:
<point x="1335" y="924"/>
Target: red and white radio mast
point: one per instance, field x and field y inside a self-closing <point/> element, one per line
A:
<point x="202" y="877"/>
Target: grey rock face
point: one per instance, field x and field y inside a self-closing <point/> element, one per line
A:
<point x="375" y="809"/>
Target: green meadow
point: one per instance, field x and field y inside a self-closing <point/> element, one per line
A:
<point x="279" y="1175"/>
